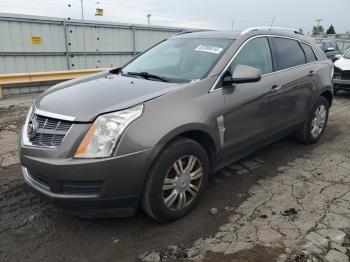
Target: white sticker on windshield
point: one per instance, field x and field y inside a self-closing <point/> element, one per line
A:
<point x="210" y="49"/>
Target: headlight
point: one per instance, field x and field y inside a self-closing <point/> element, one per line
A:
<point x="104" y="134"/>
<point x="25" y="126"/>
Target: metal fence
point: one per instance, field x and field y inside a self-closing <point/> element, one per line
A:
<point x="32" y="43"/>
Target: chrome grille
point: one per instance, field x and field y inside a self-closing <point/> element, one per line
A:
<point x="50" y="131"/>
<point x="53" y="124"/>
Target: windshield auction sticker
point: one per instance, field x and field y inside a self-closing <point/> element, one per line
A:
<point x="209" y="49"/>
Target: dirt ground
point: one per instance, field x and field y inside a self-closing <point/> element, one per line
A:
<point x="286" y="202"/>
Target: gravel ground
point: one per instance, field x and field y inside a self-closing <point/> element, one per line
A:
<point x="286" y="202"/>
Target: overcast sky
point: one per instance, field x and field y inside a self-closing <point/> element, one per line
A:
<point x="215" y="14"/>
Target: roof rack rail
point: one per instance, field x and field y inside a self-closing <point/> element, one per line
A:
<point x="192" y="31"/>
<point x="271" y="28"/>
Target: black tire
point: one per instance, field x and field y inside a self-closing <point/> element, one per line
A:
<point x="303" y="133"/>
<point x="335" y="92"/>
<point x="153" y="198"/>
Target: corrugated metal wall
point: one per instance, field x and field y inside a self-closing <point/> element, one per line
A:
<point x="60" y="45"/>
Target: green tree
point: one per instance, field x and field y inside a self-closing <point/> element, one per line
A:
<point x="330" y="30"/>
<point x="320" y="30"/>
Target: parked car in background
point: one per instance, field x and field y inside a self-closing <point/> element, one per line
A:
<point x="330" y="48"/>
<point x="341" y="78"/>
<point x="344" y="49"/>
<point x="150" y="133"/>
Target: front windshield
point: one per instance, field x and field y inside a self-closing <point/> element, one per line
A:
<point x="347" y="54"/>
<point x="179" y="59"/>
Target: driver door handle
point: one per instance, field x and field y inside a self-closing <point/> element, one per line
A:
<point x="275" y="88"/>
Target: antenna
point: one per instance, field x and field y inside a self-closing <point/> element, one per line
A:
<point x="273" y="20"/>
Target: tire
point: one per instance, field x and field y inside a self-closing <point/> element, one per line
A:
<point x="335" y="92"/>
<point x="304" y="132"/>
<point x="157" y="195"/>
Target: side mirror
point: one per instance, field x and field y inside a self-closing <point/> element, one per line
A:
<point x="337" y="56"/>
<point x="329" y="49"/>
<point x="243" y="74"/>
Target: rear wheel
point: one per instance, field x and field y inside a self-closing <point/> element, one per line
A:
<point x="176" y="181"/>
<point x="312" y="129"/>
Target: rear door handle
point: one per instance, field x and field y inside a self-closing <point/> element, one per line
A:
<point x="275" y="88"/>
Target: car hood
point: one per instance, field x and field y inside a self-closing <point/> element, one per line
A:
<point x="87" y="97"/>
<point x="342" y="63"/>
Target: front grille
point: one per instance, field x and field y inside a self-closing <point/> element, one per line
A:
<point x="53" y="124"/>
<point x="50" y="132"/>
<point x="340" y="74"/>
<point x="67" y="187"/>
<point x="346" y="75"/>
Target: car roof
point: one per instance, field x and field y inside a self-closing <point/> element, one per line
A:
<point x="208" y="34"/>
<point x="243" y="34"/>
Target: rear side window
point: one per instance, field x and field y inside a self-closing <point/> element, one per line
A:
<point x="289" y="52"/>
<point x="309" y="53"/>
<point x="256" y="53"/>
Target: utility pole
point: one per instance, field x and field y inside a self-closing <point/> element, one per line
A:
<point x="318" y="26"/>
<point x="233" y="22"/>
<point x="149" y="19"/>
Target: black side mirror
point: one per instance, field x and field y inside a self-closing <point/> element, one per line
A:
<point x="227" y="80"/>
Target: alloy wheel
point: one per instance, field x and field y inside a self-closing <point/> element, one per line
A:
<point x="319" y="120"/>
<point x="182" y="182"/>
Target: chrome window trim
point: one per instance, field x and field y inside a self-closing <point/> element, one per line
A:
<point x="54" y="115"/>
<point x="212" y="89"/>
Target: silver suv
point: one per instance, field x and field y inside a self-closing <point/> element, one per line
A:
<point x="149" y="134"/>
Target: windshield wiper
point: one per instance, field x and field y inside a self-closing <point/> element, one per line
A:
<point x="148" y="75"/>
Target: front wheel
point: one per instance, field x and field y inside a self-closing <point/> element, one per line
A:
<point x="312" y="129"/>
<point x="176" y="180"/>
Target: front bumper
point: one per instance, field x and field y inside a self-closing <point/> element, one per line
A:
<point x="341" y="84"/>
<point x="90" y="187"/>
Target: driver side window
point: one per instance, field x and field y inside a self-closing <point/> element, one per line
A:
<point x="256" y="53"/>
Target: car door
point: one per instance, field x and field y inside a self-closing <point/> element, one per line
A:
<point x="295" y="75"/>
<point x="249" y="107"/>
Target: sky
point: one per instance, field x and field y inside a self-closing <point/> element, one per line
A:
<point x="216" y="14"/>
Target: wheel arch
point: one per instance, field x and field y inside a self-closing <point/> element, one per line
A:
<point x="199" y="133"/>
<point x="328" y="95"/>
